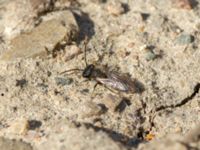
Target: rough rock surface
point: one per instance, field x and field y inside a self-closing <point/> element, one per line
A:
<point x="9" y="144"/>
<point x="154" y="43"/>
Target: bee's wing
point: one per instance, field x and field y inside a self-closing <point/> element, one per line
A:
<point x="118" y="82"/>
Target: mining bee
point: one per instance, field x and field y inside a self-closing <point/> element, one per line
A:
<point x="110" y="79"/>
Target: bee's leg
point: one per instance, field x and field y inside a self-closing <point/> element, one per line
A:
<point x="93" y="94"/>
<point x="105" y="87"/>
<point x="86" y="80"/>
<point x="111" y="90"/>
<point x="95" y="86"/>
<point x="71" y="70"/>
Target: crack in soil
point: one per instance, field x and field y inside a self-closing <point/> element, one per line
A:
<point x="183" y="102"/>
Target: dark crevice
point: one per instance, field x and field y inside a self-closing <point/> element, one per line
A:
<point x="183" y="102"/>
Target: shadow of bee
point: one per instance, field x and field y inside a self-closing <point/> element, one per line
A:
<point x="110" y="79"/>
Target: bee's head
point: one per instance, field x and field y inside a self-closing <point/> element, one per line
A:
<point x="87" y="72"/>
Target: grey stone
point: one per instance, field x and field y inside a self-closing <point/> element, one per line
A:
<point x="150" y="55"/>
<point x="63" y="81"/>
<point x="184" y="39"/>
<point x="43" y="39"/>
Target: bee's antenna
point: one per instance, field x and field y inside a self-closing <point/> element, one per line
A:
<point x="85" y="48"/>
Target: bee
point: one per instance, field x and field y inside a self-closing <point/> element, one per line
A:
<point x="110" y="79"/>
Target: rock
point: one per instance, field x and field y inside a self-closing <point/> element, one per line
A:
<point x="111" y="102"/>
<point x="145" y="16"/>
<point x="164" y="144"/>
<point x="150" y="55"/>
<point x="69" y="53"/>
<point x="19" y="126"/>
<point x="90" y="109"/>
<point x="63" y="4"/>
<point x="34" y="124"/>
<point x="16" y="20"/>
<point x="22" y="126"/>
<point x="99" y="1"/>
<point x="115" y="8"/>
<point x="9" y="144"/>
<point x="21" y="83"/>
<point x="193" y="135"/>
<point x="63" y="81"/>
<point x="182" y="4"/>
<point x="44" y="38"/>
<point x="184" y="39"/>
<point x="79" y="139"/>
<point x="175" y="141"/>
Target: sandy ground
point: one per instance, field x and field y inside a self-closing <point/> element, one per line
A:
<point x="152" y="43"/>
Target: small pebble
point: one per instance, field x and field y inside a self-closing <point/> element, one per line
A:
<point x="149" y="52"/>
<point x="99" y="1"/>
<point x="182" y="4"/>
<point x="122" y="105"/>
<point x="34" y="135"/>
<point x="70" y="52"/>
<point x="145" y="16"/>
<point x="178" y="130"/>
<point x="150" y="55"/>
<point x="21" y="82"/>
<point x="85" y="91"/>
<point x="63" y="81"/>
<point x="43" y="87"/>
<point x="34" y="124"/>
<point x="111" y="102"/>
<point x="90" y="109"/>
<point x="115" y="8"/>
<point x="184" y="39"/>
